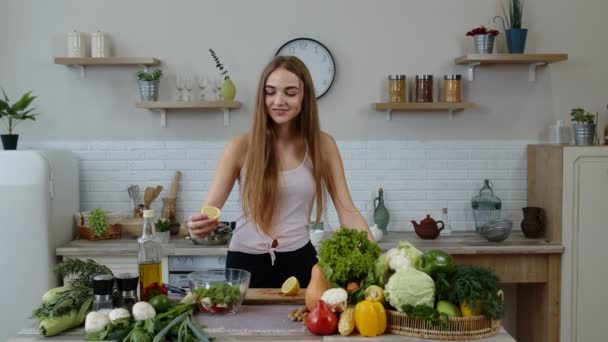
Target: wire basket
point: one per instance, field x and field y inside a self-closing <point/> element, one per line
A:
<point x="459" y="328"/>
<point x="486" y="206"/>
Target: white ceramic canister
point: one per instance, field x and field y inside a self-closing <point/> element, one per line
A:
<point x="77" y="44"/>
<point x="100" y="45"/>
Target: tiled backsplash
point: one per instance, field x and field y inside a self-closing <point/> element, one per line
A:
<point x="418" y="177"/>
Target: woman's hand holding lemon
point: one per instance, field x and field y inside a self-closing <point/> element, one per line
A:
<point x="201" y="225"/>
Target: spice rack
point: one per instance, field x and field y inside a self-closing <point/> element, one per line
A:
<point x="83" y="62"/>
<point x="533" y="61"/>
<point x="164" y="106"/>
<point x="451" y="107"/>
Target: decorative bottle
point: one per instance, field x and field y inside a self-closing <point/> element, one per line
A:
<point x="381" y="215"/>
<point x="149" y="259"/>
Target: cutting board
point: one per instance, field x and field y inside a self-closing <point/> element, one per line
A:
<point x="272" y="296"/>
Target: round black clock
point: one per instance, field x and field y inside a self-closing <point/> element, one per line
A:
<point x="317" y="58"/>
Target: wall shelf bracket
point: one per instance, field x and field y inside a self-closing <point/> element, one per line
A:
<point x="471" y="70"/>
<point x="532" y="70"/>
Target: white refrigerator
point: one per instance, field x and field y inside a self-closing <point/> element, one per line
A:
<point x="38" y="197"/>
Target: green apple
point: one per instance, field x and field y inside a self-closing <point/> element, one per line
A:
<point x="443" y="306"/>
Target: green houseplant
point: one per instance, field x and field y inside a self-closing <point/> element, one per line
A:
<point x="148" y="84"/>
<point x="516" y="35"/>
<point x="13" y="114"/>
<point x="584" y="124"/>
<point x="98" y="221"/>
<point x="228" y="91"/>
<point x="163" y="229"/>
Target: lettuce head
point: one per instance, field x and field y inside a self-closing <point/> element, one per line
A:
<point x="410" y="286"/>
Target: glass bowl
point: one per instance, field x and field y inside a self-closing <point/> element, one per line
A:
<point x="496" y="230"/>
<point x="220" y="290"/>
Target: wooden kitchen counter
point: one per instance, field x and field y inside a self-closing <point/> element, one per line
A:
<point x="533" y="265"/>
<point x="246" y="325"/>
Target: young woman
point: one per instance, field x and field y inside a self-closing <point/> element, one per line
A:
<point x="283" y="164"/>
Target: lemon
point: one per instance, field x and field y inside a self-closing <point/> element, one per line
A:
<point x="291" y="286"/>
<point x="211" y="212"/>
<point x="374" y="293"/>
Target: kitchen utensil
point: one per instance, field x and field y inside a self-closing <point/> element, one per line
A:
<point x="133" y="191"/>
<point x="150" y="195"/>
<point x="210" y="277"/>
<point x="175" y="185"/>
<point x="497" y="230"/>
<point x="175" y="289"/>
<point x="269" y="296"/>
<point x="533" y="223"/>
<point x="132" y="226"/>
<point x="428" y="228"/>
<point x="486" y="206"/>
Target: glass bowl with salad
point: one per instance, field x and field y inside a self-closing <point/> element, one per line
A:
<point x="219" y="291"/>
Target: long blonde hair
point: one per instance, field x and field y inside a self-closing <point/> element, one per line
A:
<point x="260" y="191"/>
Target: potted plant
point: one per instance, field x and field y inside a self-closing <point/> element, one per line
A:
<point x="163" y="230"/>
<point x="516" y="36"/>
<point x="584" y="126"/>
<point x="149" y="84"/>
<point x="484" y="39"/>
<point x="12" y="115"/>
<point x="228" y="91"/>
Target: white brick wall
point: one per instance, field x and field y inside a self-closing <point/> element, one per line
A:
<point x="419" y="177"/>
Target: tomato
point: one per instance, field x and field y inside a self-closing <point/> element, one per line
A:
<point x="160" y="303"/>
<point x="321" y="320"/>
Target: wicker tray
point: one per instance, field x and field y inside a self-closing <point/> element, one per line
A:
<point x="112" y="232"/>
<point x="459" y="328"/>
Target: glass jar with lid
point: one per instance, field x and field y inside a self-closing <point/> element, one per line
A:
<point x="396" y="88"/>
<point x="424" y="88"/>
<point x="452" y="88"/>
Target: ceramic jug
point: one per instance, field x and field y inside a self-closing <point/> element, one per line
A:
<point x="533" y="224"/>
<point x="376" y="232"/>
<point x="381" y="215"/>
<point x="428" y="228"/>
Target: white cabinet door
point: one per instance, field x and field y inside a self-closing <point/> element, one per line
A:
<point x="590" y="235"/>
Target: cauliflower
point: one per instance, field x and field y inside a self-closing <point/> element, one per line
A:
<point x="402" y="256"/>
<point x="336" y="299"/>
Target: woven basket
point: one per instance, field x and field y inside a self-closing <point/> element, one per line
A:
<point x="459" y="328"/>
<point x="85" y="233"/>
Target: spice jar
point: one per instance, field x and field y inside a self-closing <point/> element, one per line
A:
<point x="424" y="88"/>
<point x="452" y="88"/>
<point x="396" y="88"/>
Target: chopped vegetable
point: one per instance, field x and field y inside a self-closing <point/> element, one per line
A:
<point x="219" y="298"/>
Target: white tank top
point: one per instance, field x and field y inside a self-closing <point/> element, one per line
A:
<point x="295" y="205"/>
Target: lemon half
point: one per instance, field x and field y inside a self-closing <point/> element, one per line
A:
<point x="291" y="286"/>
<point x="211" y="212"/>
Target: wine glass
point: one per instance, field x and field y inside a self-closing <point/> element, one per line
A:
<point x="180" y="84"/>
<point x="189" y="85"/>
<point x="202" y="82"/>
<point x="217" y="87"/>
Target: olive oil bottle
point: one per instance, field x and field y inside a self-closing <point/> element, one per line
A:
<point x="149" y="259"/>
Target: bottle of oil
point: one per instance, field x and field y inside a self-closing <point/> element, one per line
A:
<point x="149" y="259"/>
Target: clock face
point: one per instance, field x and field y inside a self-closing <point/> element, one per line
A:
<point x="317" y="58"/>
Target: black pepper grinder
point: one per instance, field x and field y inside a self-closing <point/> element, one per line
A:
<point x="127" y="287"/>
<point x="103" y="285"/>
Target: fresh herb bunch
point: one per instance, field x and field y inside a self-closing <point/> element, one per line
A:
<point x="348" y="256"/>
<point x="579" y="115"/>
<point x="219" y="65"/>
<point x="80" y="272"/>
<point x="428" y="314"/>
<point x="98" y="221"/>
<point x="162" y="225"/>
<point x="471" y="284"/>
<point x="14" y="114"/>
<point x="150" y="76"/>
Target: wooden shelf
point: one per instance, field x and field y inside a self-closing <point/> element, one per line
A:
<point x="164" y="106"/>
<point x="419" y="106"/>
<point x="84" y="61"/>
<point x="532" y="60"/>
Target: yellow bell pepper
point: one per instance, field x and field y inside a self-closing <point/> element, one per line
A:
<point x="468" y="311"/>
<point x="370" y="318"/>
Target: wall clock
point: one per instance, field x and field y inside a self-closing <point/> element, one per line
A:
<point x="317" y="58"/>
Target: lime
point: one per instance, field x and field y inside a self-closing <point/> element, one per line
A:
<point x="211" y="212"/>
<point x="291" y="286"/>
<point x="160" y="303"/>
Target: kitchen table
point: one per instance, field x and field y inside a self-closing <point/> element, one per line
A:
<point x="251" y="323"/>
<point x="533" y="265"/>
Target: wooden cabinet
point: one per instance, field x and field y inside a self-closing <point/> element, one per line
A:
<point x="571" y="183"/>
